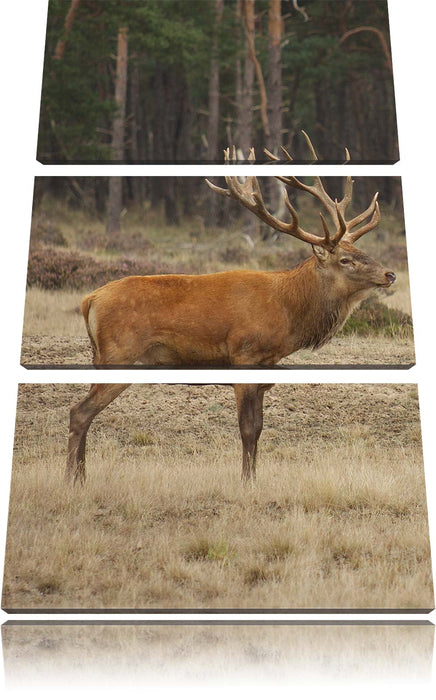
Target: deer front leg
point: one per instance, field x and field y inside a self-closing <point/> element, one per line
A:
<point x="81" y="416"/>
<point x="249" y="402"/>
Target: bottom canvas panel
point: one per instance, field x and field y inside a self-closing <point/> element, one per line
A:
<point x="133" y="654"/>
<point x="336" y="519"/>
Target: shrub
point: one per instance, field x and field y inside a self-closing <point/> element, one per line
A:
<point x="235" y="255"/>
<point x="127" y="242"/>
<point x="50" y="268"/>
<point x="375" y="317"/>
<point x="44" y="231"/>
<point x="282" y="259"/>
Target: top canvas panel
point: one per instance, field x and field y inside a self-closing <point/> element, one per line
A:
<point x="165" y="81"/>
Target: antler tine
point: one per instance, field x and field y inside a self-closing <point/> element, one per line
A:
<point x="310" y="144"/>
<point x="326" y="232"/>
<point x="317" y="190"/>
<point x="220" y="190"/>
<point x="270" y="155"/>
<point x="235" y="187"/>
<point x="275" y="158"/>
<point x="348" y="195"/>
<point x="237" y="190"/>
<point x="287" y="154"/>
<point x="296" y="230"/>
<point x="343" y="227"/>
<point x="365" y="214"/>
<point x="293" y="228"/>
<point x="348" y="191"/>
<point x="253" y="200"/>
<point x="372" y="211"/>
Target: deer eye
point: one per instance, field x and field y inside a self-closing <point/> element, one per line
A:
<point x="345" y="261"/>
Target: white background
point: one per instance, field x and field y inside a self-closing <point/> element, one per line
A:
<point x="413" y="36"/>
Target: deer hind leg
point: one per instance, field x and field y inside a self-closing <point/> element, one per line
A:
<point x="81" y="416"/>
<point x="249" y="402"/>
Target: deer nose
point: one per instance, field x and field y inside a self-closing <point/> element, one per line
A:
<point x="391" y="277"/>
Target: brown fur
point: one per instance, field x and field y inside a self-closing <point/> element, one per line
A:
<point x="237" y="317"/>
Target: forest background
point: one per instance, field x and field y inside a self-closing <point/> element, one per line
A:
<point x="186" y="79"/>
<point x="177" y="82"/>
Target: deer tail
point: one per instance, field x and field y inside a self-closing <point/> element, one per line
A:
<point x="88" y="315"/>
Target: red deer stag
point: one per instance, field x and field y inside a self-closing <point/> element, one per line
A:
<point x="231" y="318"/>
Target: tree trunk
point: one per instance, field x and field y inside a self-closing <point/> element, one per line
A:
<point x="134" y="109"/>
<point x="115" y="200"/>
<point x="274" y="76"/>
<point x="117" y="146"/>
<point x="214" y="88"/>
<point x="245" y="69"/>
<point x="274" y="85"/>
<point x="244" y="107"/>
<point x="68" y="24"/>
<point x="137" y="182"/>
<point x="214" y="104"/>
<point x="249" y="27"/>
<point x="114" y="206"/>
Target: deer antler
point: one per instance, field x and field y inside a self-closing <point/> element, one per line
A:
<point x="336" y="209"/>
<point x="248" y="193"/>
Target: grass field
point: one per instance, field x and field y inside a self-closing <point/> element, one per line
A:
<point x="336" y="519"/>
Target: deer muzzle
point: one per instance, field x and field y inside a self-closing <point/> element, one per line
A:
<point x="390" y="277"/>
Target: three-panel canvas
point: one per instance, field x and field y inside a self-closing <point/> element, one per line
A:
<point x="214" y="246"/>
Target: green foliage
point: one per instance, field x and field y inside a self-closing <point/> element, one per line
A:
<point x="220" y="553"/>
<point x="202" y="549"/>
<point x="374" y="317"/>
<point x="171" y="32"/>
<point x="143" y="439"/>
<point x="214" y="408"/>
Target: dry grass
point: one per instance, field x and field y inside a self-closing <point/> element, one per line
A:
<point x="358" y="351"/>
<point x="335" y="521"/>
<point x="53" y="313"/>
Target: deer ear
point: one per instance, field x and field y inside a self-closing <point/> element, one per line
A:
<point x="320" y="253"/>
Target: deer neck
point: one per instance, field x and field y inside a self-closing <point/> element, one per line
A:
<point x="317" y="308"/>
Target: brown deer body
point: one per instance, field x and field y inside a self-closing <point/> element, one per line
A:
<point x="233" y="318"/>
<point x="228" y="318"/>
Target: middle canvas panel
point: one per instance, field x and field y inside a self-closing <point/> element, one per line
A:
<point x="186" y="272"/>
